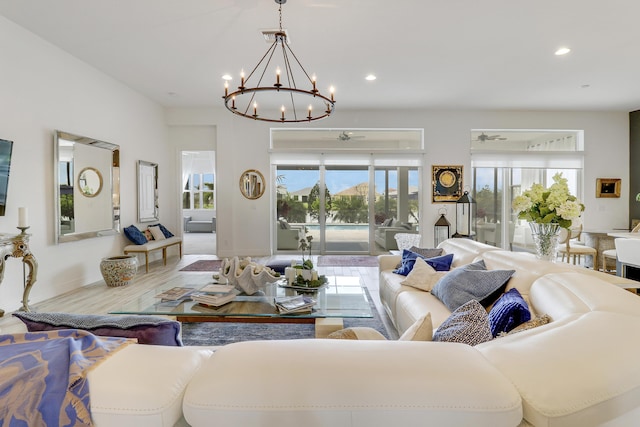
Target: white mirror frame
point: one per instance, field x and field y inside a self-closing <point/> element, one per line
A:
<point x="147" y="191"/>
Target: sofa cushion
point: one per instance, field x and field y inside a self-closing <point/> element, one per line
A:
<point x="147" y="329"/>
<point x="135" y="235"/>
<point x="462" y="285"/>
<point x="530" y="324"/>
<point x="439" y="263"/>
<point x="143" y="385"/>
<point x="509" y="311"/>
<point x="421" y="330"/>
<point x="469" y="324"/>
<point x="422" y="276"/>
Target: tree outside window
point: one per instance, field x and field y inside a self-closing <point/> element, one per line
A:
<point x="199" y="193"/>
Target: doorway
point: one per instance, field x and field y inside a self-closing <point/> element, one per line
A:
<point x="198" y="202"/>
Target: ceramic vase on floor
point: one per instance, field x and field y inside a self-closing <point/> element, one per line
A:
<point x="545" y="237"/>
<point x="119" y="270"/>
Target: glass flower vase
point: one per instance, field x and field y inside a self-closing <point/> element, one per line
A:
<point x="545" y="237"/>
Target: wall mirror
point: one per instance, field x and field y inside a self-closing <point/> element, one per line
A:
<point x="147" y="191"/>
<point x="252" y="184"/>
<point x="90" y="182"/>
<point x="87" y="187"/>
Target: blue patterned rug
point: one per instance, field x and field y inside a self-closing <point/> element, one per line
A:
<point x="221" y="333"/>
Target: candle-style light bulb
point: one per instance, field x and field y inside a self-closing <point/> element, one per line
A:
<point x="233" y="102"/>
<point x="241" y="78"/>
<point x="278" y="76"/>
<point x="226" y="89"/>
<point x="331" y="91"/>
<point x="282" y="110"/>
<point x="255" y="108"/>
<point x="309" y="116"/>
<point x="313" y="81"/>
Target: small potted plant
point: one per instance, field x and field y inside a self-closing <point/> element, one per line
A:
<point x="304" y="274"/>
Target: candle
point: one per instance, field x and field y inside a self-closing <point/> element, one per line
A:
<point x="278" y="76"/>
<point x="226" y="89"/>
<point x="22" y="217"/>
<point x="313" y="80"/>
<point x="331" y="90"/>
<point x="242" y="79"/>
<point x="282" y="109"/>
<point x="233" y="102"/>
<point x="255" y="108"/>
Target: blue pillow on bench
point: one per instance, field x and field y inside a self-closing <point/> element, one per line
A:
<point x="135" y="235"/>
<point x="153" y="330"/>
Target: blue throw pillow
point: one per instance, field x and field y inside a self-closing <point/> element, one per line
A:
<point x="135" y="235"/>
<point x="164" y="230"/>
<point x="509" y="311"/>
<point x="439" y="263"/>
<point x="462" y="285"/>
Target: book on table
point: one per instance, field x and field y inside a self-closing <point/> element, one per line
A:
<point x="295" y="304"/>
<point x="175" y="293"/>
<point x="214" y="300"/>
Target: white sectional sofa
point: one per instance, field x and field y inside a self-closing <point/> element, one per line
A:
<point x="581" y="369"/>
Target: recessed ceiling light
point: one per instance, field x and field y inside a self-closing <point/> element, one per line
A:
<point x="227" y="77"/>
<point x="371" y="77"/>
<point x="562" y="51"/>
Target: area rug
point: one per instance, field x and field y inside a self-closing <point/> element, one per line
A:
<point x="220" y="333"/>
<point x="204" y="265"/>
<point x="347" y="261"/>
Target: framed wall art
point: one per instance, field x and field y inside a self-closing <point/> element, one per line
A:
<point x="608" y="187"/>
<point x="447" y="183"/>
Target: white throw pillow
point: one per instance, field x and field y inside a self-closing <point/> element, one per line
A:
<point x="421" y="330"/>
<point x="423" y="276"/>
<point x="157" y="233"/>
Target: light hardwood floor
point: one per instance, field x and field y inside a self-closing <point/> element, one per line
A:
<point x="97" y="298"/>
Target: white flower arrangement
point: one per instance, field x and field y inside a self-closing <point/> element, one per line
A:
<point x="554" y="205"/>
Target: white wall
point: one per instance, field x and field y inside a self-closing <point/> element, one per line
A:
<point x="244" y="225"/>
<point x="43" y="89"/>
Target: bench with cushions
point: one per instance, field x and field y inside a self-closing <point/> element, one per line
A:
<point x="156" y="237"/>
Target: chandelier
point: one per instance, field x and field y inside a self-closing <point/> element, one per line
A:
<point x="283" y="101"/>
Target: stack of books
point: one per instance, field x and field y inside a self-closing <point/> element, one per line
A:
<point x="214" y="295"/>
<point x="296" y="304"/>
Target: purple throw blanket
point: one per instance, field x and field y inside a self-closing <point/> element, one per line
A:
<point x="43" y="376"/>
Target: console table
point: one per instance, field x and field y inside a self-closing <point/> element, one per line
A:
<point x="17" y="246"/>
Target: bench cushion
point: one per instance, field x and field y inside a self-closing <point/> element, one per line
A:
<point x="135" y="235"/>
<point x="152" y="245"/>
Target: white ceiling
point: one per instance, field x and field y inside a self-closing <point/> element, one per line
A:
<point x="438" y="54"/>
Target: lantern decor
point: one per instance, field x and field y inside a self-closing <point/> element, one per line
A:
<point x="442" y="228"/>
<point x="465" y="217"/>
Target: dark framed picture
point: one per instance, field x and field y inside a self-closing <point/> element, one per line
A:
<point x="447" y="183"/>
<point x="608" y="187"/>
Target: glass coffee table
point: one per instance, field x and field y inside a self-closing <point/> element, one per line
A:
<point x="342" y="297"/>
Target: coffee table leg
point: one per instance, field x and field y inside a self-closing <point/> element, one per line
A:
<point x="327" y="325"/>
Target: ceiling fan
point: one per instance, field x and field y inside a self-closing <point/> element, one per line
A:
<point x="484" y="137"/>
<point x="347" y="136"/>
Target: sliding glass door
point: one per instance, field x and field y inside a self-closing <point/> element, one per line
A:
<point x="354" y="209"/>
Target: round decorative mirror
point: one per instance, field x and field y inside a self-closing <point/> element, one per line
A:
<point x="90" y="182"/>
<point x="252" y="184"/>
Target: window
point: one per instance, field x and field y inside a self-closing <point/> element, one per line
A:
<point x="504" y="164"/>
<point x="198" y="192"/>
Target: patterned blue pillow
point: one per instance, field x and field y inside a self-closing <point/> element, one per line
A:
<point x="135" y="235"/>
<point x="509" y="311"/>
<point x="439" y="263"/>
<point x="462" y="285"/>
<point x="164" y="230"/>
